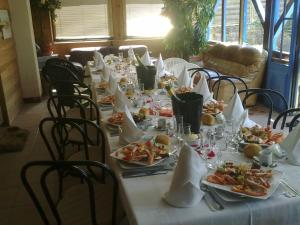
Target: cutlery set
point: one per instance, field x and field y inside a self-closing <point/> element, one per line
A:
<point x="290" y="192"/>
<point x="147" y="171"/>
<point x="211" y="200"/>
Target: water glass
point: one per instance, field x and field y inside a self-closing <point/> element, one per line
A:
<point x="179" y="124"/>
<point x="171" y="127"/>
<point x="141" y="87"/>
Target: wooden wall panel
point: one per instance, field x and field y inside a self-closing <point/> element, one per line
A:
<point x="10" y="89"/>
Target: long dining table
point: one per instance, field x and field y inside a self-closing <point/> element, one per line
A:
<point x="142" y="197"/>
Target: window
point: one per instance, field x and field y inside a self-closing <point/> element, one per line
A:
<point x="143" y="19"/>
<point x="247" y="29"/>
<point x="232" y="21"/>
<point x="81" y="19"/>
<point x="255" y="31"/>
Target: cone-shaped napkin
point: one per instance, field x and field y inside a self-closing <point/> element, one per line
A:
<point x="99" y="61"/>
<point x="112" y="85"/>
<point x="146" y="60"/>
<point x="185" y="186"/>
<point x="235" y="108"/>
<point x="160" y="67"/>
<point x="121" y="101"/>
<point x="184" y="79"/>
<point x="106" y="72"/>
<point x="129" y="131"/>
<point x="291" y="145"/>
<point x="202" y="89"/>
<point x="131" y="54"/>
<point x="244" y="120"/>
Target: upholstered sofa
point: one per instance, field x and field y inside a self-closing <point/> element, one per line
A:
<point x="82" y="55"/>
<point x="245" y="62"/>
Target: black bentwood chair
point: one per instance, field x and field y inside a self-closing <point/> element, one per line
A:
<point x="232" y="80"/>
<point x="73" y="106"/>
<point x="267" y="94"/>
<point x="90" y="202"/>
<point x="60" y="135"/>
<point x="294" y="113"/>
<point x="209" y="73"/>
<point x="75" y="67"/>
<point x="62" y="81"/>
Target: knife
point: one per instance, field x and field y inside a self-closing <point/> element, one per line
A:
<point x="132" y="174"/>
<point x="210" y="202"/>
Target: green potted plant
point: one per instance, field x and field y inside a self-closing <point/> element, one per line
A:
<point x="190" y="19"/>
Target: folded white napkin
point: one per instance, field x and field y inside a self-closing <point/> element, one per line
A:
<point x="160" y="67"/>
<point x="121" y="101"/>
<point x="146" y="60"/>
<point x="185" y="186"/>
<point x="129" y="131"/>
<point x="112" y="85"/>
<point x="202" y="89"/>
<point x="99" y="61"/>
<point x="235" y="108"/>
<point x="291" y="145"/>
<point x="131" y="54"/>
<point x="106" y="72"/>
<point x="245" y="121"/>
<point x="184" y="79"/>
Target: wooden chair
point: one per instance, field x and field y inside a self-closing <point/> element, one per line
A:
<point x="93" y="201"/>
<point x="266" y="93"/>
<point x="217" y="82"/>
<point x="294" y="113"/>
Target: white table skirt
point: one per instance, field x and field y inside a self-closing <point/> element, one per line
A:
<point x="142" y="199"/>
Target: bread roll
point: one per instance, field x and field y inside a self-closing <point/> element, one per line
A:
<point x="251" y="150"/>
<point x="144" y="111"/>
<point x="208" y="119"/>
<point x="162" y="139"/>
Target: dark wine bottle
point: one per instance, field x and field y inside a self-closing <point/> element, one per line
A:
<point x="171" y="93"/>
<point x="139" y="61"/>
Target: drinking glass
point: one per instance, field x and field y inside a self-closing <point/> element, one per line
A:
<point x="171" y="126"/>
<point x="121" y="56"/>
<point x="141" y="87"/>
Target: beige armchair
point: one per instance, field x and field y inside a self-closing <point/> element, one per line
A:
<point x="245" y="62"/>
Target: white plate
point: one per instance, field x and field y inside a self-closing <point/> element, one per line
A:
<point x="274" y="182"/>
<point x="118" y="155"/>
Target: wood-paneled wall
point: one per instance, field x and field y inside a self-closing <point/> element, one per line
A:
<point x="10" y="89"/>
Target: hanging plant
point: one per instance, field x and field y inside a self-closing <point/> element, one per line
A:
<point x="190" y="19"/>
<point x="49" y="5"/>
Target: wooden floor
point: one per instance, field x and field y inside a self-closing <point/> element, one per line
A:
<point x="16" y="207"/>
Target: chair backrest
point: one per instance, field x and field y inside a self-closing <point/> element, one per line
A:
<point x="76" y="68"/>
<point x="176" y="69"/>
<point x="60" y="105"/>
<point x="229" y="79"/>
<point x="55" y="73"/>
<point x="210" y="74"/>
<point x="293" y="112"/>
<point x="74" y="169"/>
<point x="170" y="62"/>
<point x="267" y="94"/>
<point x="55" y="133"/>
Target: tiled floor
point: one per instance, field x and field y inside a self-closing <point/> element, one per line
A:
<point x="16" y="207"/>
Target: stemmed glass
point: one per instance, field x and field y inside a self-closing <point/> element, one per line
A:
<point x="156" y="106"/>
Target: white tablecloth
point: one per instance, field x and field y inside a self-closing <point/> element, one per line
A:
<point x="142" y="199"/>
